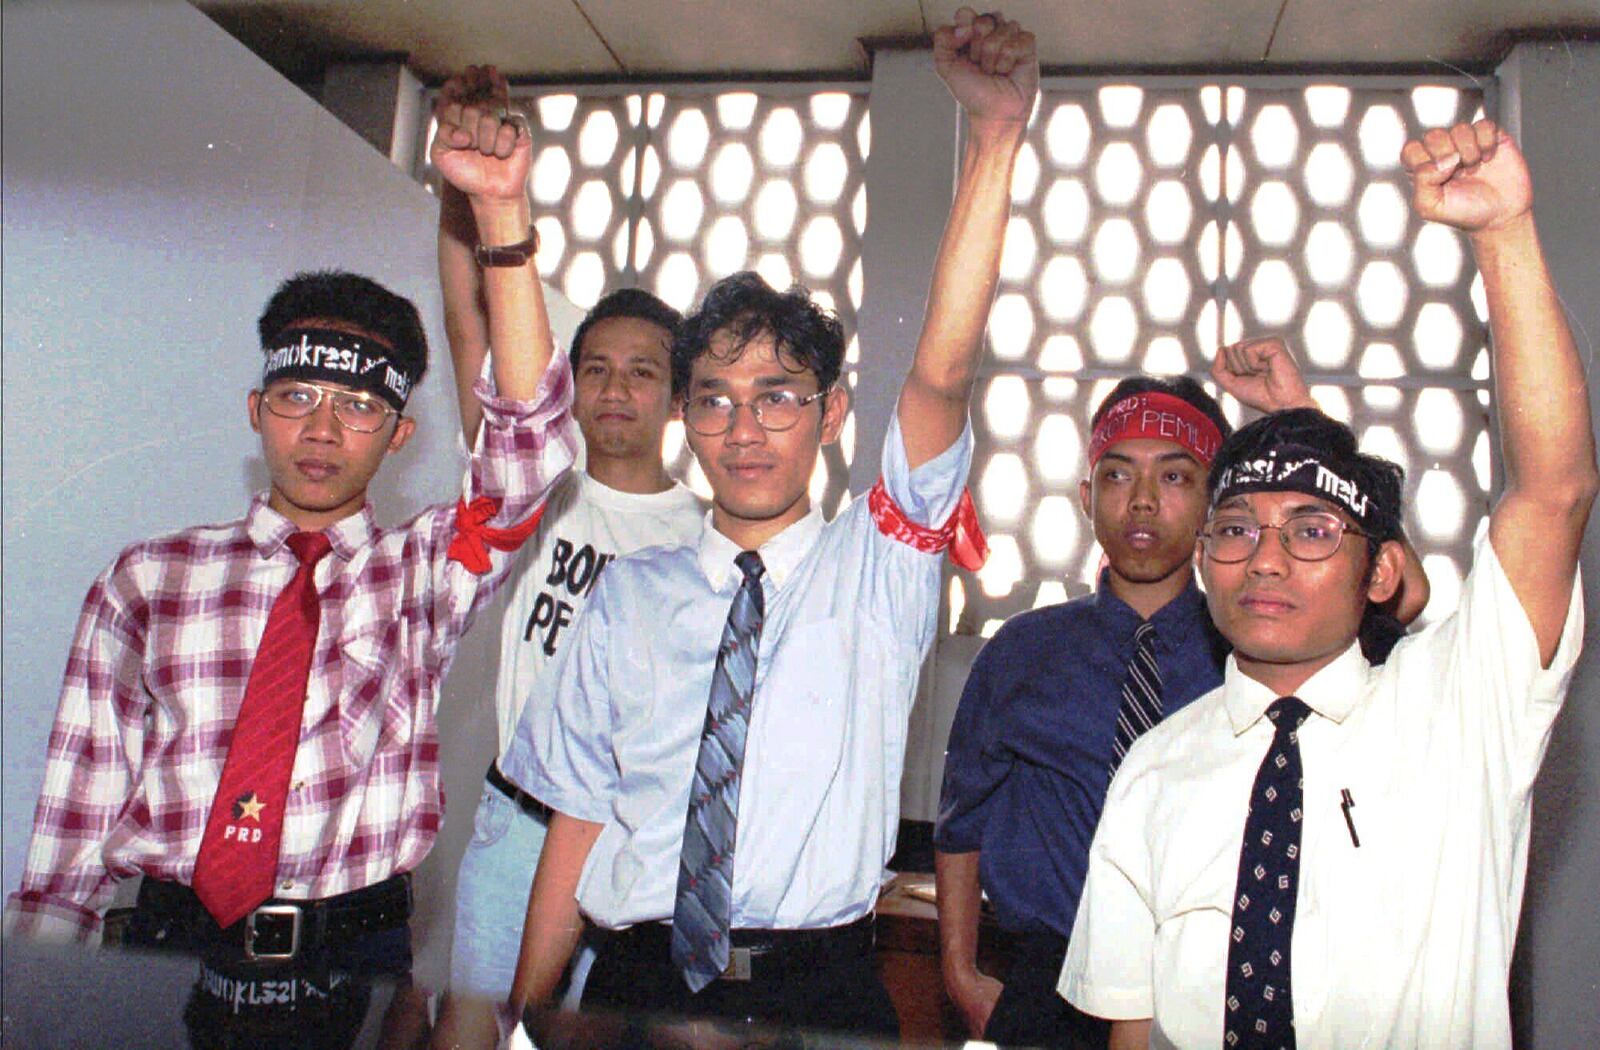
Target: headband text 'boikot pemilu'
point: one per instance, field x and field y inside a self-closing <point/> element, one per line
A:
<point x="1159" y="416"/>
<point x="335" y="356"/>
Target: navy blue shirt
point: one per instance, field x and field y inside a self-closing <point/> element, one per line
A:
<point x="1027" y="766"/>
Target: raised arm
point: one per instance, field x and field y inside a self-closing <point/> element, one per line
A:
<point x="989" y="66"/>
<point x="486" y="157"/>
<point x="466" y="315"/>
<point x="1473" y="177"/>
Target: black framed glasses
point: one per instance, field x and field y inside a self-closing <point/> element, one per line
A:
<point x="1230" y="538"/>
<point x="298" y="399"/>
<point x="712" y="414"/>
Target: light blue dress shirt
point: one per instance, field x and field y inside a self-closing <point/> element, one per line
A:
<point x="850" y="615"/>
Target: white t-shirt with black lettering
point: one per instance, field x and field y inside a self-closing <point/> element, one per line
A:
<point x="586" y="524"/>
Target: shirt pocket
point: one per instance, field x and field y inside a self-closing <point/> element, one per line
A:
<point x="373" y="711"/>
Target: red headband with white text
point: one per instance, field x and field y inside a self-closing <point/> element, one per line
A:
<point x="1162" y="417"/>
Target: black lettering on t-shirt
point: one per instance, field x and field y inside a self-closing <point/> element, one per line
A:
<point x="558" y="561"/>
<point x="578" y="570"/>
<point x="582" y="568"/>
<point x="600" y="563"/>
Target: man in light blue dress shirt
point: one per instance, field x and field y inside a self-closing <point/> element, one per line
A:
<point x="849" y="612"/>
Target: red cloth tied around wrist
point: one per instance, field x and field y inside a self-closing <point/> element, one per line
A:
<point x="474" y="535"/>
<point x="961" y="535"/>
<point x="1159" y="416"/>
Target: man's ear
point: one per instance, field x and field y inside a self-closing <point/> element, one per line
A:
<point x="1085" y="499"/>
<point x="834" y="408"/>
<point x="253" y="402"/>
<point x="402" y="433"/>
<point x="1387" y="565"/>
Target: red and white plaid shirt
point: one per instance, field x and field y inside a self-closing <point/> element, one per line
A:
<point x="164" y="647"/>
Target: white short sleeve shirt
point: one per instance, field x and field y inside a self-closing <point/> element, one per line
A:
<point x="1405" y="940"/>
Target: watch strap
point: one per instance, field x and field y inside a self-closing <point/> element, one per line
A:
<point x="508" y="254"/>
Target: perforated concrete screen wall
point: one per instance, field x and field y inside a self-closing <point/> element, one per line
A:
<point x="672" y="190"/>
<point x="1152" y="221"/>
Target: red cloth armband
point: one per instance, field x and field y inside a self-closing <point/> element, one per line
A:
<point x="961" y="535"/>
<point x="474" y="535"/>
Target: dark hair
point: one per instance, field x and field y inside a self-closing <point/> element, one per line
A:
<point x="336" y="295"/>
<point x="746" y="307"/>
<point x="1181" y="387"/>
<point x="1332" y="443"/>
<point x="629" y="302"/>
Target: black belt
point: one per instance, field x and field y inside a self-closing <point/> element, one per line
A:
<point x="278" y="930"/>
<point x="758" y="954"/>
<point x="525" y="802"/>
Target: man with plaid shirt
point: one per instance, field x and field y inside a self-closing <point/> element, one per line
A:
<point x="155" y="691"/>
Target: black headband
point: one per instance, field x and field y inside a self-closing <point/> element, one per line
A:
<point x="335" y="356"/>
<point x="1300" y="468"/>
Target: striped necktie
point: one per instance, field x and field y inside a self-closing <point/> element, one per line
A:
<point x="1141" y="694"/>
<point x="238" y="858"/>
<point x="703" y="912"/>
<point x="1259" y="1008"/>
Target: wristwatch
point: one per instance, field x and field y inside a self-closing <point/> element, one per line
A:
<point x="508" y="254"/>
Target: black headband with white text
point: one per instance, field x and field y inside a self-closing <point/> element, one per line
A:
<point x="1300" y="468"/>
<point x="330" y="355"/>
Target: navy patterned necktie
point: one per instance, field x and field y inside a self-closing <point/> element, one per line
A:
<point x="1141" y="694"/>
<point x="1259" y="1009"/>
<point x="703" y="911"/>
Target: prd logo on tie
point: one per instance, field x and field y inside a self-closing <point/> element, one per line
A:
<point x="245" y="807"/>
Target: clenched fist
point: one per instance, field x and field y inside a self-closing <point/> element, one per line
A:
<point x="1471" y="176"/>
<point x="990" y="66"/>
<point x="482" y="148"/>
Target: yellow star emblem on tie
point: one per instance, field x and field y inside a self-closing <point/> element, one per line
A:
<point x="251" y="807"/>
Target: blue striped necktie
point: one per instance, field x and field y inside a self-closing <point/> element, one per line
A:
<point x="1259" y="1010"/>
<point x="703" y="911"/>
<point x="1141" y="694"/>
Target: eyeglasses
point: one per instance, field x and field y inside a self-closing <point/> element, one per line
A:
<point x="711" y="414"/>
<point x="361" y="412"/>
<point x="1232" y="538"/>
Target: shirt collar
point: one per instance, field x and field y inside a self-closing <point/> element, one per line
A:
<point x="269" y="531"/>
<point x="1332" y="692"/>
<point x="1175" y="620"/>
<point x="780" y="555"/>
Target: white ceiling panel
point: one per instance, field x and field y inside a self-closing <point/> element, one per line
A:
<point x="557" y="39"/>
<point x="522" y="37"/>
<point x="1139" y="33"/>
<point x="1449" y="33"/>
<point x="774" y="36"/>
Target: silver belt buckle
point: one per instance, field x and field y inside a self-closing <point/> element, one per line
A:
<point x="274" y="911"/>
<point x="738" y="968"/>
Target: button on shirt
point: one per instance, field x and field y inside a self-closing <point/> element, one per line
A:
<point x="1404" y="941"/>
<point x="163" y="650"/>
<point x="849" y="615"/>
<point x="1025" y="773"/>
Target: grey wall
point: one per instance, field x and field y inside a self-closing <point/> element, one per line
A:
<point x="1549" y="98"/>
<point x="159" y="180"/>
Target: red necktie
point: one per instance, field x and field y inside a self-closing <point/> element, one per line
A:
<point x="238" y="858"/>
